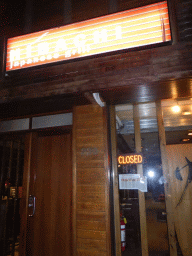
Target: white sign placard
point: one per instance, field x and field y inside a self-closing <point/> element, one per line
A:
<point x="133" y="181"/>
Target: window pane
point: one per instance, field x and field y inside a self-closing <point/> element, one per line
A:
<point x="52" y="121"/>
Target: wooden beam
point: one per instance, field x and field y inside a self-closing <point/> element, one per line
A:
<point x="156" y="67"/>
<point x="142" y="211"/>
<point x="90" y="98"/>
<point x="167" y="185"/>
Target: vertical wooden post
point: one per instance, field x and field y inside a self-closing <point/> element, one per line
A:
<point x="91" y="215"/>
<point x="74" y="187"/>
<point x="25" y="194"/>
<point x="115" y="181"/>
<point x="167" y="185"/>
<point x="142" y="211"/>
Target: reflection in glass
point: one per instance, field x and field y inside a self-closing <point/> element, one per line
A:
<point x="152" y="169"/>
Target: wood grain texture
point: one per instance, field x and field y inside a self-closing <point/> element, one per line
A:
<point x="183" y="212"/>
<point x="115" y="182"/>
<point x="167" y="185"/>
<point x="52" y="185"/>
<point x="117" y="77"/>
<point x="91" y="203"/>
<point x="25" y="194"/>
<point x="91" y="176"/>
<point x="74" y="187"/>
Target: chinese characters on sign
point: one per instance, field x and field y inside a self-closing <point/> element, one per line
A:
<point x="137" y="27"/>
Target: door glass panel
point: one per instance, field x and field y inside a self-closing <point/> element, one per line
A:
<point x="154" y="196"/>
<point x="128" y="198"/>
<point x="52" y="120"/>
<point x="14" y="125"/>
<point x="152" y="169"/>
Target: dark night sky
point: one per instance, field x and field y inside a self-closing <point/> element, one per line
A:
<point x="11" y="17"/>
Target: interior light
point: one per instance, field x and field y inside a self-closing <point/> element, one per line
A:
<point x="184" y="140"/>
<point x="151" y="174"/>
<point x="186" y="113"/>
<point x="190" y="133"/>
<point x="176" y="109"/>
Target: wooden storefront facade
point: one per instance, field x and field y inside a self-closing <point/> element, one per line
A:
<point x="76" y="209"/>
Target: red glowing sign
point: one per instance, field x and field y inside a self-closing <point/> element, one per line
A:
<point x="132" y="28"/>
<point x="130" y="159"/>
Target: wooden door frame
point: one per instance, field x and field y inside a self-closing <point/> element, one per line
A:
<point x="142" y="210"/>
<point x="167" y="187"/>
<point x="25" y="192"/>
<point x="115" y="181"/>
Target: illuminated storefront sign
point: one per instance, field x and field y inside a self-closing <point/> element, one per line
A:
<point x="132" y="28"/>
<point x="130" y="159"/>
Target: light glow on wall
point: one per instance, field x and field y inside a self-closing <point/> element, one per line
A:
<point x="129" y="29"/>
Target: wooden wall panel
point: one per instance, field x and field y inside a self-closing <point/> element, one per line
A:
<point x="91" y="191"/>
<point x="182" y="206"/>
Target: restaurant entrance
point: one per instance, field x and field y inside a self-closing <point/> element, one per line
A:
<point x="152" y="195"/>
<point x="36" y="187"/>
<point x="11" y="182"/>
<point x="49" y="222"/>
<point x="141" y="192"/>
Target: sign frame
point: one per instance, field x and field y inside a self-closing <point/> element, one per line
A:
<point x="91" y="55"/>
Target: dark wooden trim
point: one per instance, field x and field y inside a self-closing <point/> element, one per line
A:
<point x="116" y="204"/>
<point x="74" y="185"/>
<point x="107" y="185"/>
<point x="141" y="75"/>
<point x="167" y="185"/>
<point x="25" y="194"/>
<point x="173" y="20"/>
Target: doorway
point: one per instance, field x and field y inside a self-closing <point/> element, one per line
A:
<point x="142" y="198"/>
<point x="164" y="131"/>
<point x="49" y="227"/>
<point x="38" y="166"/>
<point x="11" y="181"/>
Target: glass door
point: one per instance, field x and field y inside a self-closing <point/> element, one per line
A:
<point x="142" y="197"/>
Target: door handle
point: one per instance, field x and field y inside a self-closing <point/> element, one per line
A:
<point x="31" y="205"/>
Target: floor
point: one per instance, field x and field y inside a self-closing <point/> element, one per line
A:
<point x="132" y="249"/>
<point x="16" y="252"/>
